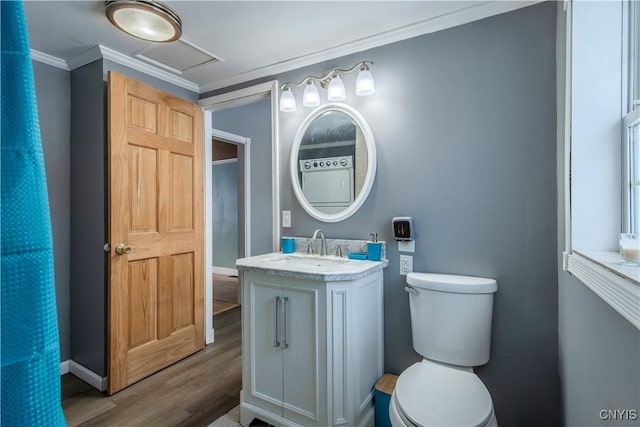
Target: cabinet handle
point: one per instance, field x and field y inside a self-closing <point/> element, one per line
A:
<point x="276" y="342"/>
<point x="285" y="300"/>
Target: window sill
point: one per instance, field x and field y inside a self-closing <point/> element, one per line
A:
<point x="617" y="284"/>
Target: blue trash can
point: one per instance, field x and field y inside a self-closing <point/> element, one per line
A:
<point x="382" y="395"/>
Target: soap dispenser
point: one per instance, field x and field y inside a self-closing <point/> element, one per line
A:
<point x="374" y="248"/>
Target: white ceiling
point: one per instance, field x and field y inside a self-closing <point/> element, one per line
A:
<point x="255" y="38"/>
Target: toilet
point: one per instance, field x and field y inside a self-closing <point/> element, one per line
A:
<point x="451" y="329"/>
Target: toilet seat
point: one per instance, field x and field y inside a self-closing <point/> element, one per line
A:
<point x="430" y="394"/>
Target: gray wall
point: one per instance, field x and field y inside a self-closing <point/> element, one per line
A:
<point x="254" y="121"/>
<point x="54" y="111"/>
<point x="464" y="121"/>
<point x="599" y="357"/>
<point x="88" y="260"/>
<point x="89" y="207"/>
<point x="599" y="350"/>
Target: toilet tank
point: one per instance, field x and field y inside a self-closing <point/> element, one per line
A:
<point x="451" y="317"/>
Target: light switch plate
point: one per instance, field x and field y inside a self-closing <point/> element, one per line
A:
<point x="407" y="246"/>
<point x="286" y="218"/>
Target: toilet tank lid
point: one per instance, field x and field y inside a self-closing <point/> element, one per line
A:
<point x="451" y="283"/>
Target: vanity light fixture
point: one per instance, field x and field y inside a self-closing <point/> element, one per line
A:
<point x="332" y="81"/>
<point x="336" y="91"/>
<point x="287" y="100"/>
<point x="149" y="20"/>
<point x="364" y="83"/>
<point x="311" y="96"/>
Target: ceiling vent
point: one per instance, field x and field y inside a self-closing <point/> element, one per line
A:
<point x="177" y="57"/>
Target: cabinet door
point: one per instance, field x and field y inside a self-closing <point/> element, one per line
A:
<point x="262" y="377"/>
<point x="305" y="337"/>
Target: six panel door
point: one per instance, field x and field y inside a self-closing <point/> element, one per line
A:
<point x="156" y="285"/>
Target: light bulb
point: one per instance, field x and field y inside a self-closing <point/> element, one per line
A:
<point x="311" y="96"/>
<point x="364" y="83"/>
<point x="336" y="89"/>
<point x="287" y="101"/>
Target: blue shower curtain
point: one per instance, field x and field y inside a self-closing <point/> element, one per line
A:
<point x="30" y="353"/>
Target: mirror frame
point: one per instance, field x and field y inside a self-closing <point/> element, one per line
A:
<point x="371" y="163"/>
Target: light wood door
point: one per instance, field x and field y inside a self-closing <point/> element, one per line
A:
<point x="156" y="290"/>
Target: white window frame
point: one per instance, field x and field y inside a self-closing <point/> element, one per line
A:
<point x="631" y="177"/>
<point x="590" y="251"/>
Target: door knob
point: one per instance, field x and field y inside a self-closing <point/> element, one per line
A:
<point x="122" y="249"/>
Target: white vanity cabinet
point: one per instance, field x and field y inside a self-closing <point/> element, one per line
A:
<point x="312" y="350"/>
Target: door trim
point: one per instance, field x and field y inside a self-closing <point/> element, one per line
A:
<point x="245" y="96"/>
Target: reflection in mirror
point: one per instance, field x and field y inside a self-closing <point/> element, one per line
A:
<point x="331" y="162"/>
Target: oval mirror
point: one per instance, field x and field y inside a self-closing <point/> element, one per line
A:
<point x="333" y="162"/>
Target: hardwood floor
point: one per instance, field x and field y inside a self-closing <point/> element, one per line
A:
<point x="225" y="293"/>
<point x="193" y="392"/>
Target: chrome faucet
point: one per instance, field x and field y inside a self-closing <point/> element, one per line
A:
<point x="323" y="247"/>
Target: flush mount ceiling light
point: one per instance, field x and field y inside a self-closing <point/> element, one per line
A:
<point x="331" y="81"/>
<point x="146" y="19"/>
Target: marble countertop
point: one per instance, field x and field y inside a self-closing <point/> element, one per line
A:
<point x="310" y="267"/>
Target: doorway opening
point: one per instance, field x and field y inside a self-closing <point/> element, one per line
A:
<point x="258" y="230"/>
<point x="231" y="187"/>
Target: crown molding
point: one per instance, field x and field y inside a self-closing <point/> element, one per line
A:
<point x="44" y="58"/>
<point x="453" y="19"/>
<point x="143" y="67"/>
<point x="86" y="57"/>
<point x="102" y="52"/>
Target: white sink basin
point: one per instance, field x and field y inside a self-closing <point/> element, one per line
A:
<point x="312" y="260"/>
<point x="311" y="267"/>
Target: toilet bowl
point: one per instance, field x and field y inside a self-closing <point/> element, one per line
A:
<point x="451" y="329"/>
<point x="430" y="394"/>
